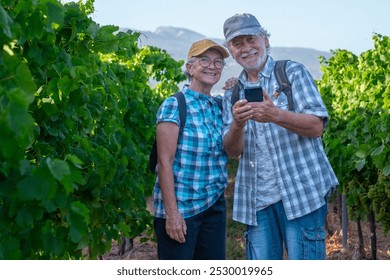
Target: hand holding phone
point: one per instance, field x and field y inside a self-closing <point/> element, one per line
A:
<point x="254" y="94"/>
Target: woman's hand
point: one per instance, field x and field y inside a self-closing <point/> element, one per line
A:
<point x="176" y="226"/>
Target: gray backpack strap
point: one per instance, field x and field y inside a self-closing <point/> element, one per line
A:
<point x="283" y="82"/>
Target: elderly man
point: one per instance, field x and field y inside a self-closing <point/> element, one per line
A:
<point x="284" y="177"/>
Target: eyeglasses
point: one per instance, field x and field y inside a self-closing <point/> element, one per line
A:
<point x="205" y="62"/>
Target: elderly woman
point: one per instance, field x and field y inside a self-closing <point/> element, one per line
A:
<point x="189" y="203"/>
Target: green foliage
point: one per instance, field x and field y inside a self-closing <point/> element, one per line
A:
<point x="77" y="114"/>
<point x="357" y="93"/>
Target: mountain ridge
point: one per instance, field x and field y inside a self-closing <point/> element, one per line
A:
<point x="176" y="41"/>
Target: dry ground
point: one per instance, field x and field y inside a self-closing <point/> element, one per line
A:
<point x="335" y="250"/>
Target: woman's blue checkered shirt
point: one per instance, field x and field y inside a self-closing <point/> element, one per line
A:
<point x="199" y="167"/>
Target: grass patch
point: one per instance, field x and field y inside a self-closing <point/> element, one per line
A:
<point x="235" y="243"/>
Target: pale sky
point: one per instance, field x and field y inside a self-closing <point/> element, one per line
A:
<point x="319" y="24"/>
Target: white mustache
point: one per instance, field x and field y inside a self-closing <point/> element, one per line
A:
<point x="251" y="52"/>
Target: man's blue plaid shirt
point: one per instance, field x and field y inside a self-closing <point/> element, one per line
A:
<point x="303" y="173"/>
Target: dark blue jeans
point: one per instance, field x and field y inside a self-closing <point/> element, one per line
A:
<point x="205" y="239"/>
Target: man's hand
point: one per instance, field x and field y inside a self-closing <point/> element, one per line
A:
<point x="264" y="111"/>
<point x="242" y="112"/>
<point x="305" y="125"/>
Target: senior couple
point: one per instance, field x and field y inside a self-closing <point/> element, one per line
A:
<point x="284" y="177"/>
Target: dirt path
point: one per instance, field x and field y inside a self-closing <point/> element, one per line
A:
<point x="335" y="250"/>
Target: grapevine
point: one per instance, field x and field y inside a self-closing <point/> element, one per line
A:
<point x="77" y="112"/>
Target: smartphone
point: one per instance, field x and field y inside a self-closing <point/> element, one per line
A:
<point x="254" y="94"/>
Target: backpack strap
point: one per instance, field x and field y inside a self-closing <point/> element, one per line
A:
<point x="235" y="93"/>
<point x="182" y="111"/>
<point x="182" y="115"/>
<point x="283" y="82"/>
<point x="218" y="101"/>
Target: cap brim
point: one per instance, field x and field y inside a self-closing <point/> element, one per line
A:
<point x="243" y="32"/>
<point x="222" y="50"/>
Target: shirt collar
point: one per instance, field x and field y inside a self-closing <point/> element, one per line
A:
<point x="187" y="91"/>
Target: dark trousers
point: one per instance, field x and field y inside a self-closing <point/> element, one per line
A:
<point x="205" y="239"/>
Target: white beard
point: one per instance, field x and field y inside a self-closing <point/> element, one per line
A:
<point x="259" y="63"/>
